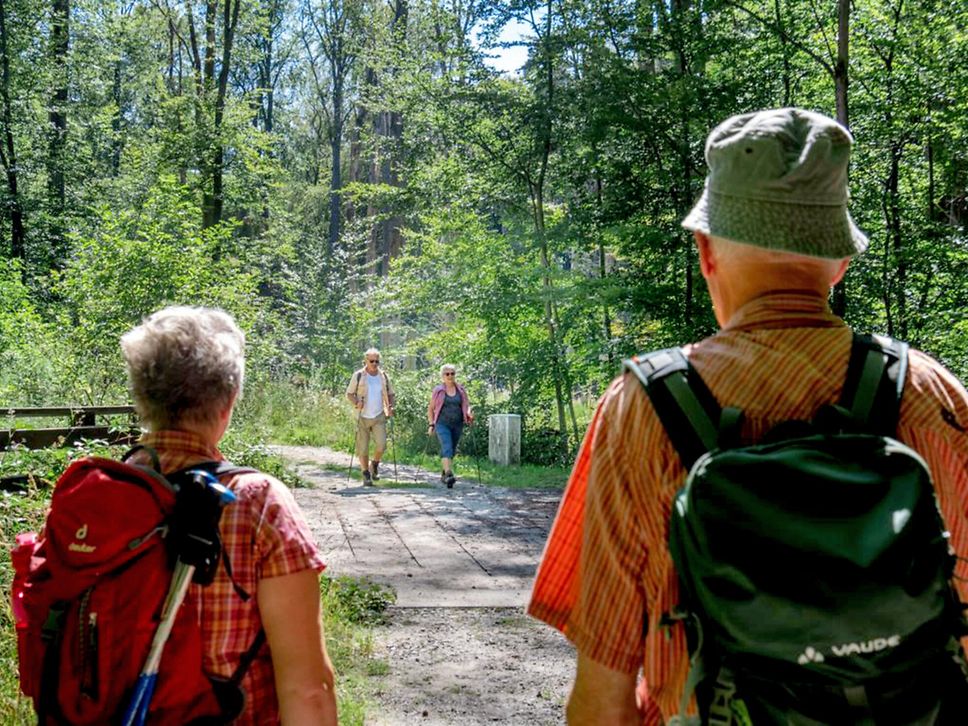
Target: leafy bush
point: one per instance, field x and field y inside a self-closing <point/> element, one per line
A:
<point x="258" y="456"/>
<point x="359" y="601"/>
<point x="35" y="366"/>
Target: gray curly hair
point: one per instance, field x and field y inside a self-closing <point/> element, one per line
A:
<point x="184" y="364"/>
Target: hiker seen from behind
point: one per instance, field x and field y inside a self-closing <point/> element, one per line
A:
<point x="185" y="367"/>
<point x="448" y="412"/>
<point x="370" y="392"/>
<point x="762" y="501"/>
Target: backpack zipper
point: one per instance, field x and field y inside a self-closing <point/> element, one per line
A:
<point x="87" y="647"/>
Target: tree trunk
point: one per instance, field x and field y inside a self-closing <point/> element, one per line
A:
<point x="57" y="116"/>
<point x="8" y="155"/>
<point x="386" y="240"/>
<point x="838" y="300"/>
<point x="213" y="201"/>
<point x="117" y="143"/>
<point x="895" y="235"/>
<point x="680" y="8"/>
<point x="602" y="274"/>
<point x="787" y="73"/>
<point x="336" y="180"/>
<point x="559" y="360"/>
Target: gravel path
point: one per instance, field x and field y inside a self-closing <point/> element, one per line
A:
<point x="471" y="666"/>
<point x="457" y="646"/>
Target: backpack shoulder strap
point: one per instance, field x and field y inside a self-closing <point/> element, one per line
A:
<point x="875" y="382"/>
<point x="685" y="406"/>
<point x="218" y="469"/>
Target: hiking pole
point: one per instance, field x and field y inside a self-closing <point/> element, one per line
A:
<point x="356" y="440"/>
<point x="393" y="449"/>
<point x="430" y="440"/>
<point x="477" y="459"/>
<point x="198" y="545"/>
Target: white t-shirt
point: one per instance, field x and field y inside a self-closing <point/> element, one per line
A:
<point x="373" y="405"/>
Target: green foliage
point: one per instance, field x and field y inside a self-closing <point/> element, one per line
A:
<point x="34" y="365"/>
<point x="525" y="227"/>
<point x="358" y="601"/>
<point x="351" y="608"/>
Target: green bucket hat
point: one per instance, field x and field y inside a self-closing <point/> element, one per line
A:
<point x="778" y="179"/>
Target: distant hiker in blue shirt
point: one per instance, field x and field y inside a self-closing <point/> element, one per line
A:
<point x="447" y="413"/>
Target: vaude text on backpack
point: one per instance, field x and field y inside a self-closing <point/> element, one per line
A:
<point x="814" y="568"/>
<point x="89" y="591"/>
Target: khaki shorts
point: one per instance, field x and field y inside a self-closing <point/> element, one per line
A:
<point x="375" y="428"/>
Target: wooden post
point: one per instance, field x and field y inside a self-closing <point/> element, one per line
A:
<point x="504" y="439"/>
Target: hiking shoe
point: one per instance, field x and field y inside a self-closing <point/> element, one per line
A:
<point x="449" y="479"/>
<point x="374" y="468"/>
<point x="367" y="481"/>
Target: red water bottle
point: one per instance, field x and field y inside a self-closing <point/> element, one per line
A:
<point x="20" y="555"/>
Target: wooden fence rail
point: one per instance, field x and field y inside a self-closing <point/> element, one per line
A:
<point x="82" y="423"/>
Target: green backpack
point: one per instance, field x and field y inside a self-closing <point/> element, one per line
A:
<point x="814" y="567"/>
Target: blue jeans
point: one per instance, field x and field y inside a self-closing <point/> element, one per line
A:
<point x="449" y="436"/>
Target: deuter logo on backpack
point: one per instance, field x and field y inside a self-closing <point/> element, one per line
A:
<point x="813" y="565"/>
<point x="79" y="546"/>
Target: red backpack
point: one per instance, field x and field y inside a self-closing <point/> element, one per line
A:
<point x="88" y="594"/>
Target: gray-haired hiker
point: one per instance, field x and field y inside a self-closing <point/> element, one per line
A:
<point x="769" y="490"/>
<point x="185" y="370"/>
<point x="447" y="413"/>
<point x="370" y="392"/>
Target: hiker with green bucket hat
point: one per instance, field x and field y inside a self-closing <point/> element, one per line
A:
<point x="746" y="512"/>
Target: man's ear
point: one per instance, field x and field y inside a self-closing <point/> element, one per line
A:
<point x="841" y="271"/>
<point x="226" y="413"/>
<point x="707" y="257"/>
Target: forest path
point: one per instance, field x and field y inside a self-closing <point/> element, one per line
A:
<point x="458" y="646"/>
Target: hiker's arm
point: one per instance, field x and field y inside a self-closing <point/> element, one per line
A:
<point x="292" y="619"/>
<point x="602" y="696"/>
<point x="351" y="391"/>
<point x="391" y="396"/>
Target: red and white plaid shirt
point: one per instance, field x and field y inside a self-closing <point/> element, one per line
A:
<point x="264" y="535"/>
<point x="606" y="570"/>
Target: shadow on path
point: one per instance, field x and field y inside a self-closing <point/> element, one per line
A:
<point x="470" y="546"/>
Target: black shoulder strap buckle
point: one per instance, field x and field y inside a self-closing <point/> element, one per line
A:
<point x="685" y="406"/>
<point x="875" y="382"/>
<point x="218" y="469"/>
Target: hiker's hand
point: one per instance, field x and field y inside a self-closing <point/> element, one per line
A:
<point x="430" y="428"/>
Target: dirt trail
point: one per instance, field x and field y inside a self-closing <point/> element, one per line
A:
<point x="459" y="648"/>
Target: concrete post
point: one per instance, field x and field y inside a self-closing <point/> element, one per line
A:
<point x="504" y="439"/>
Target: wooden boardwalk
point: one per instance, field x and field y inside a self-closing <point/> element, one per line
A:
<point x="470" y="546"/>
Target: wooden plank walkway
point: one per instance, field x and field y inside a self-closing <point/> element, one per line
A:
<point x="470" y="546"/>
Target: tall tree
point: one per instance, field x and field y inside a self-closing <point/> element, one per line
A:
<point x="330" y="33"/>
<point x="57" y="117"/>
<point x="208" y="41"/>
<point x="8" y="151"/>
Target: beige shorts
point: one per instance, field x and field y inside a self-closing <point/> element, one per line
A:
<point x="371" y="428"/>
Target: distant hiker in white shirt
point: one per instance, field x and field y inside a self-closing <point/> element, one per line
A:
<point x="372" y="395"/>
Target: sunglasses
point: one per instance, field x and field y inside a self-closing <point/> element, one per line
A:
<point x="373" y="361"/>
<point x="450" y="373"/>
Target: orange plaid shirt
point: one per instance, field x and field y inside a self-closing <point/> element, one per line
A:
<point x="264" y="535"/>
<point x="606" y="572"/>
